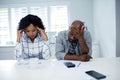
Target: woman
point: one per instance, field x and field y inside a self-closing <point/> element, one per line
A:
<point x="32" y="39"/>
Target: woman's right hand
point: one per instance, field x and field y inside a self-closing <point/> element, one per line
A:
<point x="19" y="34"/>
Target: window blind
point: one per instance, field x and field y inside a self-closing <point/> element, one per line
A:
<point x="55" y="19"/>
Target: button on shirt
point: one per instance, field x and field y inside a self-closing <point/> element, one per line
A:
<point x="28" y="49"/>
<point x="62" y="44"/>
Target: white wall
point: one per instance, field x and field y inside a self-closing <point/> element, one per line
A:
<point x="82" y="10"/>
<point x="78" y="9"/>
<point x="105" y="26"/>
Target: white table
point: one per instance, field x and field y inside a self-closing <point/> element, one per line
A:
<point x="56" y="70"/>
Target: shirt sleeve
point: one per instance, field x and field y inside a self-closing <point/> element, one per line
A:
<point x="46" y="50"/>
<point x="18" y="50"/>
<point x="59" y="51"/>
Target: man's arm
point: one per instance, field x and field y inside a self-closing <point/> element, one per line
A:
<point x="86" y="47"/>
<point x="83" y="38"/>
<point x="83" y="57"/>
<point x="83" y="45"/>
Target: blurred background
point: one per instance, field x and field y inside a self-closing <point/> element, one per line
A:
<point x="100" y="16"/>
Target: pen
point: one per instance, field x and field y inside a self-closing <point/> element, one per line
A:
<point x="78" y="64"/>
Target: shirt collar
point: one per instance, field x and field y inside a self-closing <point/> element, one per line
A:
<point x="66" y="34"/>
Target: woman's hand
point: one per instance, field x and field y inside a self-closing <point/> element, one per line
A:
<point x="19" y="34"/>
<point x="43" y="33"/>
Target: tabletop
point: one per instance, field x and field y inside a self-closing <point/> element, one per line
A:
<point x="56" y="70"/>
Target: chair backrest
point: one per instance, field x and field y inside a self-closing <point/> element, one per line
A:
<point x="7" y="53"/>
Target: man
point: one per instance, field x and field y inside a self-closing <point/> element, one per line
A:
<point x="74" y="44"/>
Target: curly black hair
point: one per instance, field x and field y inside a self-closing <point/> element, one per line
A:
<point x="30" y="19"/>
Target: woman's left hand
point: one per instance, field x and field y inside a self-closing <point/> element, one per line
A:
<point x="42" y="32"/>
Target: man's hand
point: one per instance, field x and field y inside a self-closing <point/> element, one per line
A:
<point x="84" y="57"/>
<point x="19" y="34"/>
<point x="43" y="33"/>
<point x="77" y="31"/>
